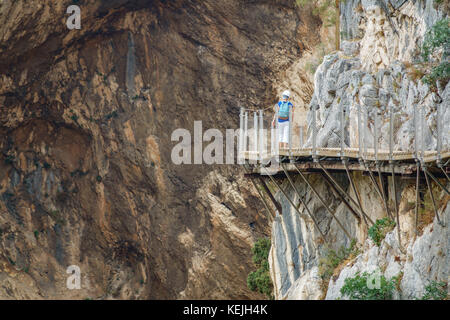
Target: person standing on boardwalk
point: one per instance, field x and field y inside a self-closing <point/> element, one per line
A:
<point x="284" y="106"/>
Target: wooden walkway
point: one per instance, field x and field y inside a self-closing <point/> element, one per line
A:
<point x="258" y="145"/>
<point x="352" y="153"/>
<point x="263" y="160"/>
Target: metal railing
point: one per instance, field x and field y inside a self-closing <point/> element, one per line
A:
<point x="374" y="143"/>
<point x="258" y="139"/>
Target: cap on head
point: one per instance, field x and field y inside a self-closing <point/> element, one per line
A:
<point x="286" y="93"/>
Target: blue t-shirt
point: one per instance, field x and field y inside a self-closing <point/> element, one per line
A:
<point x="279" y="105"/>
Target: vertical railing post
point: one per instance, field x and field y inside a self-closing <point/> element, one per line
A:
<point x="241" y="136"/>
<point x="290" y="131"/>
<point x="255" y="132"/>
<point x="261" y="136"/>
<point x="366" y="128"/>
<point x="277" y="136"/>
<point x="439" y="134"/>
<point x="360" y="150"/>
<point x="422" y="135"/>
<point x="375" y="135"/>
<point x="301" y="137"/>
<point x="342" y="130"/>
<point x="272" y="139"/>
<point x="416" y="135"/>
<point x="245" y="132"/>
<point x="391" y="135"/>
<point x="314" y="133"/>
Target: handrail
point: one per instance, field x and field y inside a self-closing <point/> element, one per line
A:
<point x="379" y="147"/>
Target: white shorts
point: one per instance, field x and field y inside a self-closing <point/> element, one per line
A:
<point x="283" y="131"/>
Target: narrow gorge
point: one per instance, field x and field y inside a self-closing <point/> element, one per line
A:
<point x="86" y="118"/>
<point x="86" y="123"/>
<point x="374" y="70"/>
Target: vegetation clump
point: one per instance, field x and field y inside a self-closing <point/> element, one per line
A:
<point x="259" y="280"/>
<point x="436" y="52"/>
<point x="378" y="231"/>
<point x="435" y="291"/>
<point x="357" y="288"/>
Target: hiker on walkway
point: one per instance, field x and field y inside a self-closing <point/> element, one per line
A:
<point x="283" y="107"/>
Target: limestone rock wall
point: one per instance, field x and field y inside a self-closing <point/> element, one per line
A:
<point x="86" y="118"/>
<point x="424" y="260"/>
<point x="356" y="78"/>
<point x="371" y="72"/>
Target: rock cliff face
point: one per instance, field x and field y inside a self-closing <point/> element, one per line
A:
<point x="372" y="71"/>
<point x="86" y="118"/>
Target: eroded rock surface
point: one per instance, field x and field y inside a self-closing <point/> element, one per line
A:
<point x="371" y="74"/>
<point x="86" y="117"/>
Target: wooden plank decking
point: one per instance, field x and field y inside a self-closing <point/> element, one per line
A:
<point x="352" y="153"/>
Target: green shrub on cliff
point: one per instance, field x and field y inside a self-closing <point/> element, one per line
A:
<point x="440" y="72"/>
<point x="437" y="40"/>
<point x="435" y="291"/>
<point x="378" y="231"/>
<point x="259" y="280"/>
<point x="438" y="37"/>
<point x="357" y="288"/>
